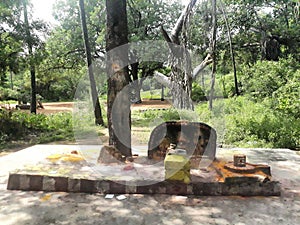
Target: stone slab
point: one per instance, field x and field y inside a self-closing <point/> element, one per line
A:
<point x="85" y="177"/>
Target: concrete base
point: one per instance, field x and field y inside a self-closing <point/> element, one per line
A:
<point x="141" y="177"/>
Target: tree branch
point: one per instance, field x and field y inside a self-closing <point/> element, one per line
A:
<point x="161" y="78"/>
<point x="165" y="34"/>
<point x="208" y="60"/>
<point x="179" y="24"/>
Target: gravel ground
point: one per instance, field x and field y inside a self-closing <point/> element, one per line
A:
<point x="19" y="207"/>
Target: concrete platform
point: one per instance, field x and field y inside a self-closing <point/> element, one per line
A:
<point x="38" y="207"/>
<point x="40" y="174"/>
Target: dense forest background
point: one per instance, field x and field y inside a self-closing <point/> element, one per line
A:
<point x="256" y="61"/>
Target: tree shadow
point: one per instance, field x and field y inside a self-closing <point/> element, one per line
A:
<point x="19" y="207"/>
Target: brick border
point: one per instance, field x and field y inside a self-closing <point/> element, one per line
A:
<point x="29" y="182"/>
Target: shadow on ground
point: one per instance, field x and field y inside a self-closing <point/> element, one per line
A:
<point x="75" y="208"/>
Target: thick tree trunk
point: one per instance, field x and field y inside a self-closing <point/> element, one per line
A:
<point x="31" y="63"/>
<point x="181" y="83"/>
<point x="118" y="102"/>
<point x="95" y="99"/>
<point x="181" y="74"/>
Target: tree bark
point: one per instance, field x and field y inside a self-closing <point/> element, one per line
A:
<point x="31" y="63"/>
<point x="95" y="99"/>
<point x="118" y="102"/>
<point x="179" y="24"/>
<point x="181" y="74"/>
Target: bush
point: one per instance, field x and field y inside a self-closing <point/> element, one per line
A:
<point x="198" y="94"/>
<point x="266" y="77"/>
<point x="257" y="125"/>
<point x="227" y="86"/>
<point x="18" y="125"/>
<point x="10" y="129"/>
<point x="242" y="122"/>
<point x="8" y="94"/>
<point x="170" y="115"/>
<point x="287" y="98"/>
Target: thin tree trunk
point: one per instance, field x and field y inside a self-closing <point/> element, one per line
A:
<point x="31" y="63"/>
<point x="162" y="97"/>
<point x="213" y="52"/>
<point x="135" y="79"/>
<point x="11" y="80"/>
<point x="231" y="51"/>
<point x="118" y="101"/>
<point x="95" y="99"/>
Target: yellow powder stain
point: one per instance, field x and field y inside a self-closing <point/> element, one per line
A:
<point x="65" y="157"/>
<point x="46" y="197"/>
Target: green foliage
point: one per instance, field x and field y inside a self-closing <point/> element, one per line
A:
<point x="197" y="93"/>
<point x="257" y="125"/>
<point x="271" y="120"/>
<point x="253" y="24"/>
<point x="286" y="99"/>
<point x="7" y="93"/>
<point x="146" y="17"/>
<point x="169" y="114"/>
<point x="9" y="128"/>
<point x="15" y="38"/>
<point x="227" y="85"/>
<point x="244" y="123"/>
<point x="265" y="77"/>
<point x="239" y="122"/>
<point x="39" y="128"/>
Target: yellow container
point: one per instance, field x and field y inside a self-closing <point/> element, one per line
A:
<point x="177" y="167"/>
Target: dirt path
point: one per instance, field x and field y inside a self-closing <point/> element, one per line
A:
<point x="151" y="104"/>
<point x="55" y="107"/>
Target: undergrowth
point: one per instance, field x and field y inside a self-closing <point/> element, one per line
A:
<point x="239" y="122"/>
<point x="30" y="128"/>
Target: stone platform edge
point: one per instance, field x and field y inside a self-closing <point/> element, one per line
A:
<point x="28" y="182"/>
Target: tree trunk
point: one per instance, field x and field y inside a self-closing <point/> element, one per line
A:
<point x="231" y="51"/>
<point x="95" y="99"/>
<point x="213" y="52"/>
<point x="31" y="63"/>
<point x="136" y="88"/>
<point x="181" y="84"/>
<point x="11" y="80"/>
<point x="270" y="48"/>
<point x="118" y="102"/>
<point x="181" y="74"/>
